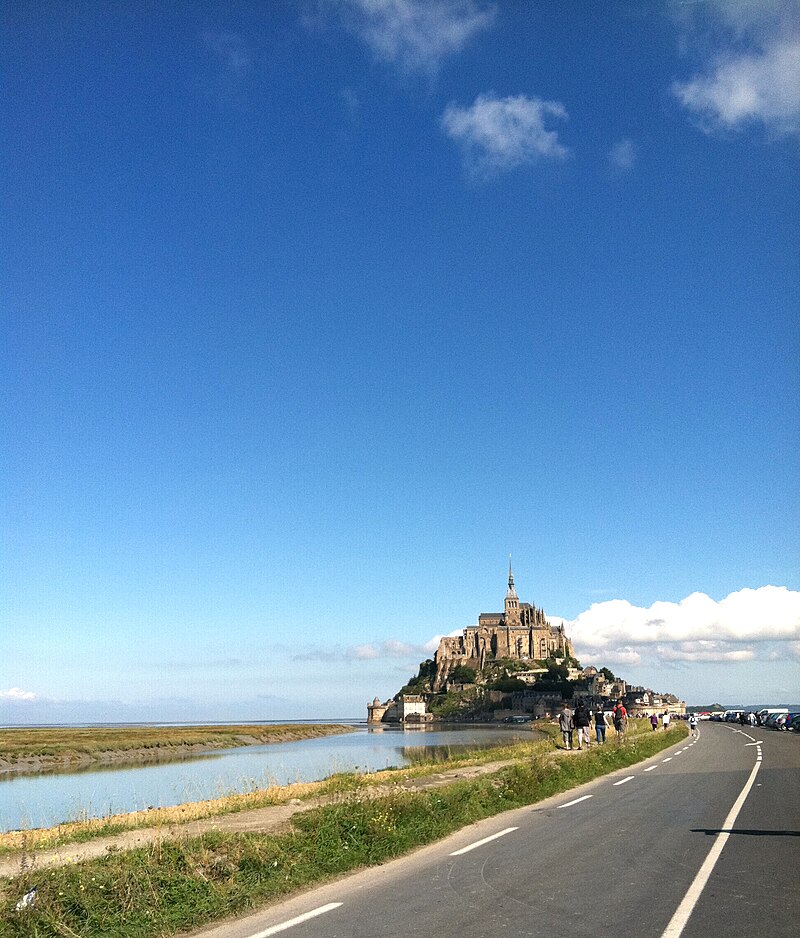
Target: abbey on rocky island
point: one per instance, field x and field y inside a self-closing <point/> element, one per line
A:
<point x="521" y="631"/>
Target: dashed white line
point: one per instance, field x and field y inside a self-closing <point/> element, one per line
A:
<point x="623" y="780"/>
<point x="297" y="921"/>
<point x="480" y="843"/>
<point x="668" y="759"/>
<point x="569" y="804"/>
<point x="651" y="768"/>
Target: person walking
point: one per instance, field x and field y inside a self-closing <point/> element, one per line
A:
<point x="693" y="724"/>
<point x="654" y="721"/>
<point x="566" y="725"/>
<point x="665" y="719"/>
<point x="600" y="723"/>
<point x="620" y="718"/>
<point x="583" y="721"/>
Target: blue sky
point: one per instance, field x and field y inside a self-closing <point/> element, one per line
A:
<point x="317" y="311"/>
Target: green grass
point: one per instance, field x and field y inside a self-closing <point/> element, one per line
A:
<point x="179" y="884"/>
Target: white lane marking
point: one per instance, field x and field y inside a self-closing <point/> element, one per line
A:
<point x="681" y="917"/>
<point x="668" y="759"/>
<point x="623" y="780"/>
<point x="480" y="843"/>
<point x="569" y="804"/>
<point x="754" y="743"/>
<point x="297" y="921"/>
<point x="651" y="768"/>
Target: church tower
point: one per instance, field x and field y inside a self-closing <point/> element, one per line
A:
<point x="512" y="617"/>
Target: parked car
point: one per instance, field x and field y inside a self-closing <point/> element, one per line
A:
<point x="783" y="720"/>
<point x="794" y="723"/>
<point x="762" y="715"/>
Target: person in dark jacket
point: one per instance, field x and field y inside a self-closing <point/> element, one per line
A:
<point x="600" y="723"/>
<point x="583" y="721"/>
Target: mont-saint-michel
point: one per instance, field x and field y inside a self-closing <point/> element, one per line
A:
<point x="513" y="664"/>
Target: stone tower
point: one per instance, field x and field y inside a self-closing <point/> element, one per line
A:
<point x="512" y="601"/>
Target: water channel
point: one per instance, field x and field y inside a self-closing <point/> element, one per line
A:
<point x="46" y="799"/>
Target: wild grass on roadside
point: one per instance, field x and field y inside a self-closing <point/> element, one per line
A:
<point x="178" y="884"/>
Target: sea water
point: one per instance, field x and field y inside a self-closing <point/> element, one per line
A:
<point x="44" y="799"/>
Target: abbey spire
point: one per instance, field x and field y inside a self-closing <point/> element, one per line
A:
<point x="512" y="600"/>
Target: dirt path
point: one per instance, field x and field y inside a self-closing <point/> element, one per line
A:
<point x="274" y="819"/>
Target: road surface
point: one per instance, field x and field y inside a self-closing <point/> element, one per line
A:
<point x="701" y="840"/>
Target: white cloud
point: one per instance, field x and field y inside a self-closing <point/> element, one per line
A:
<point x="366" y="652"/>
<point x="767" y="613"/>
<point x="762" y="87"/>
<point x="695" y="629"/>
<point x="16" y="693"/>
<point x="604" y="657"/>
<point x="431" y="646"/>
<point x="703" y="651"/>
<point x="417" y="35"/>
<point x="623" y="154"/>
<point x="390" y="648"/>
<point x="752" y="74"/>
<point x="503" y="133"/>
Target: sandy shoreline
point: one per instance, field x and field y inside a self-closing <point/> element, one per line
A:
<point x="78" y="759"/>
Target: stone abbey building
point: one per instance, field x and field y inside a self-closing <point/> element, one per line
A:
<point x="520" y="631"/>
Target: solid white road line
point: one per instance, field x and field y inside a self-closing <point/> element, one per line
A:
<point x="569" y="804"/>
<point x="684" y="910"/>
<point x="623" y="780"/>
<point x="651" y="768"/>
<point x="297" y="921"/>
<point x="480" y="843"/>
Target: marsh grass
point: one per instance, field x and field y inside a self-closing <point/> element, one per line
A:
<point x="65" y="743"/>
<point x="178" y="884"/>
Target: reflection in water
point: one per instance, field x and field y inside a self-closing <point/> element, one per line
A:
<point x="442" y="752"/>
<point x="43" y="800"/>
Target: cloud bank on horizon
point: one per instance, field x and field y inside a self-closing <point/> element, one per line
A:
<point x="740" y="627"/>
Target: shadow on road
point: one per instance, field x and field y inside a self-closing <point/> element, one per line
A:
<point x="719" y="830"/>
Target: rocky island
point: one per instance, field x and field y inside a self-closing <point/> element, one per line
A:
<point x="513" y="665"/>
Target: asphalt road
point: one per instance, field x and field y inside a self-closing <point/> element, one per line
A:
<point x="632" y="855"/>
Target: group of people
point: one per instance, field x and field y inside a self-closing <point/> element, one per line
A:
<point x="582" y="720"/>
<point x="665" y="719"/>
